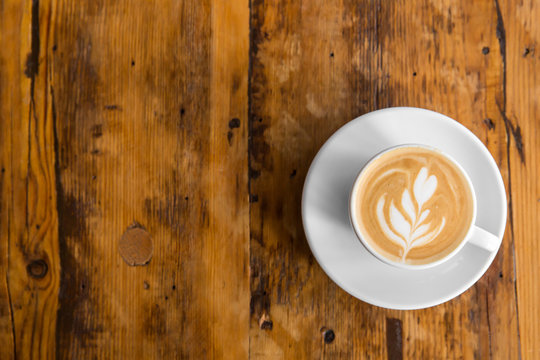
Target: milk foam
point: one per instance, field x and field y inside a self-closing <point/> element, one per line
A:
<point x="414" y="205"/>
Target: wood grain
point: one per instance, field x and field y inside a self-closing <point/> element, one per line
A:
<point x="30" y="222"/>
<point x="197" y="121"/>
<point x="123" y="117"/>
<point x="520" y="111"/>
<point x="315" y="68"/>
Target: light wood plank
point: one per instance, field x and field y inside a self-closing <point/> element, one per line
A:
<point x="521" y="111"/>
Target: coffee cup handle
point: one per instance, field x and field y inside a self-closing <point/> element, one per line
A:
<point x="484" y="239"/>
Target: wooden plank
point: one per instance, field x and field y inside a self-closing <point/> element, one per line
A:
<point x="115" y="116"/>
<point x="9" y="66"/>
<point x="124" y="123"/>
<point x="30" y="223"/>
<point x="316" y="66"/>
<point x="520" y="109"/>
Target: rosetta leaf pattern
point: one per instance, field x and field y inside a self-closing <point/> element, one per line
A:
<point x="424" y="187"/>
<point x="408" y="205"/>
<point x="408" y="228"/>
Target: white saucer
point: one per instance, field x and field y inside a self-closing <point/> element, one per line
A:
<point x="326" y="220"/>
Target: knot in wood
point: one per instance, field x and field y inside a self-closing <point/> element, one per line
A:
<point x="37" y="269"/>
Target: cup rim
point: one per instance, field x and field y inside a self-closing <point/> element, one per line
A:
<point x="357" y="232"/>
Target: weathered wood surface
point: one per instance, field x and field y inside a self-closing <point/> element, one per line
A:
<point x="113" y="116"/>
<point x="196" y="122"/>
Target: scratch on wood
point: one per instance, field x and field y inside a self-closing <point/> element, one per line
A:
<point x="519" y="142"/>
<point x="489" y="123"/>
<point x="282" y="295"/>
<point x="488" y="320"/>
<point x="12" y="320"/>
<point x="113" y="107"/>
<point x="259" y="297"/>
<point x="515" y="132"/>
<point x="32" y="60"/>
<point x="31" y="70"/>
<point x="394" y="339"/>
<point x="501" y="37"/>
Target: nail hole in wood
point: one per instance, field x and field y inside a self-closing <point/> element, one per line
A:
<point x="329" y="336"/>
<point x="234" y="123"/>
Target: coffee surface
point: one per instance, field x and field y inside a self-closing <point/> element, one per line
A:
<point x="413" y="205"/>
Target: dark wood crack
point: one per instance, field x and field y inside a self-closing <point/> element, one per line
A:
<point x="501" y="37"/>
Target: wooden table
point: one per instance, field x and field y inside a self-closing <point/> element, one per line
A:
<point x="185" y="129"/>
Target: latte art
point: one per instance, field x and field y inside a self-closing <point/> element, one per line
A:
<point x="413" y="205"/>
<point x="411" y="230"/>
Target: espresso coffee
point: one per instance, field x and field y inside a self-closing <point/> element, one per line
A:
<point x="413" y="205"/>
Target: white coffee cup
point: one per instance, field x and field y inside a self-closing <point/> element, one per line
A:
<point x="474" y="235"/>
